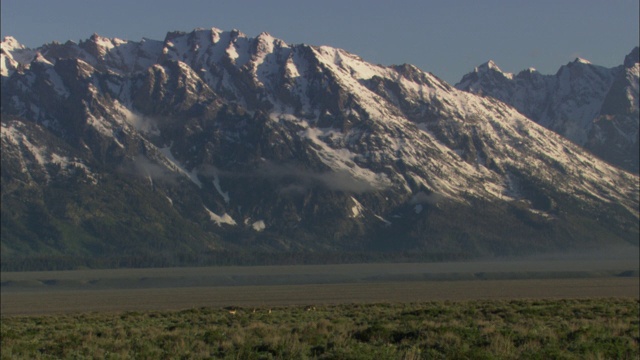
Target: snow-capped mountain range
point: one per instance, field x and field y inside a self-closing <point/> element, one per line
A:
<point x="212" y="141"/>
<point x="593" y="106"/>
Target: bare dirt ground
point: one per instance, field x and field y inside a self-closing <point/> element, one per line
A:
<point x="31" y="293"/>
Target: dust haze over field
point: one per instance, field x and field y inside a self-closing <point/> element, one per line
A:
<point x="630" y="253"/>
<point x="616" y="262"/>
<point x="589" y="274"/>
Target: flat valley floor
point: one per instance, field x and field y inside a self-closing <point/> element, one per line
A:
<point x="80" y="291"/>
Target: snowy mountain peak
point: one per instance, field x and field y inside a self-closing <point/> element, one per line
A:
<point x="9" y="43"/>
<point x="235" y="33"/>
<point x="105" y="42"/>
<point x="580" y="60"/>
<point x="491" y="66"/>
<point x="13" y="55"/>
<point x="205" y="30"/>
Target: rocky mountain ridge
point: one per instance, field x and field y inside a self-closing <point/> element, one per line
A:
<point x="593" y="106"/>
<point x="211" y="141"/>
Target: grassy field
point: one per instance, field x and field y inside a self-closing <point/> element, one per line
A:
<point x="512" y="310"/>
<point x="485" y="329"/>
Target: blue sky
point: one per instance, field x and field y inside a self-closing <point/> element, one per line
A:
<point x="447" y="38"/>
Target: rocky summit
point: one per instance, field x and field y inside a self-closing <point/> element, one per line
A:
<point x="215" y="147"/>
<point x="593" y="106"/>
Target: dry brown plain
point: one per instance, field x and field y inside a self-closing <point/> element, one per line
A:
<point x="31" y="293"/>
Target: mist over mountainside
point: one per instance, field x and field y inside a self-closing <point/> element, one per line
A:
<point x="214" y="145"/>
<point x="593" y="106"/>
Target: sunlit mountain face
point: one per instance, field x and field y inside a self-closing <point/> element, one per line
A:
<point x="214" y="145"/>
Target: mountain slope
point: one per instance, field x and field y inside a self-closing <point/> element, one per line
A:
<point x="593" y="106"/>
<point x="212" y="142"/>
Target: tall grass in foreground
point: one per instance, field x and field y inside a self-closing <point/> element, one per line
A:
<point x="522" y="329"/>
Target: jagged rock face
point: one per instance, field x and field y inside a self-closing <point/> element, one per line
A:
<point x="614" y="135"/>
<point x="593" y="106"/>
<point x="214" y="141"/>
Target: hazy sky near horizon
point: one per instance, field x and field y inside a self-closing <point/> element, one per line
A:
<point x="446" y="37"/>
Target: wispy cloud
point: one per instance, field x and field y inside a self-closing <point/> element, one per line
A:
<point x="142" y="167"/>
<point x="297" y="180"/>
